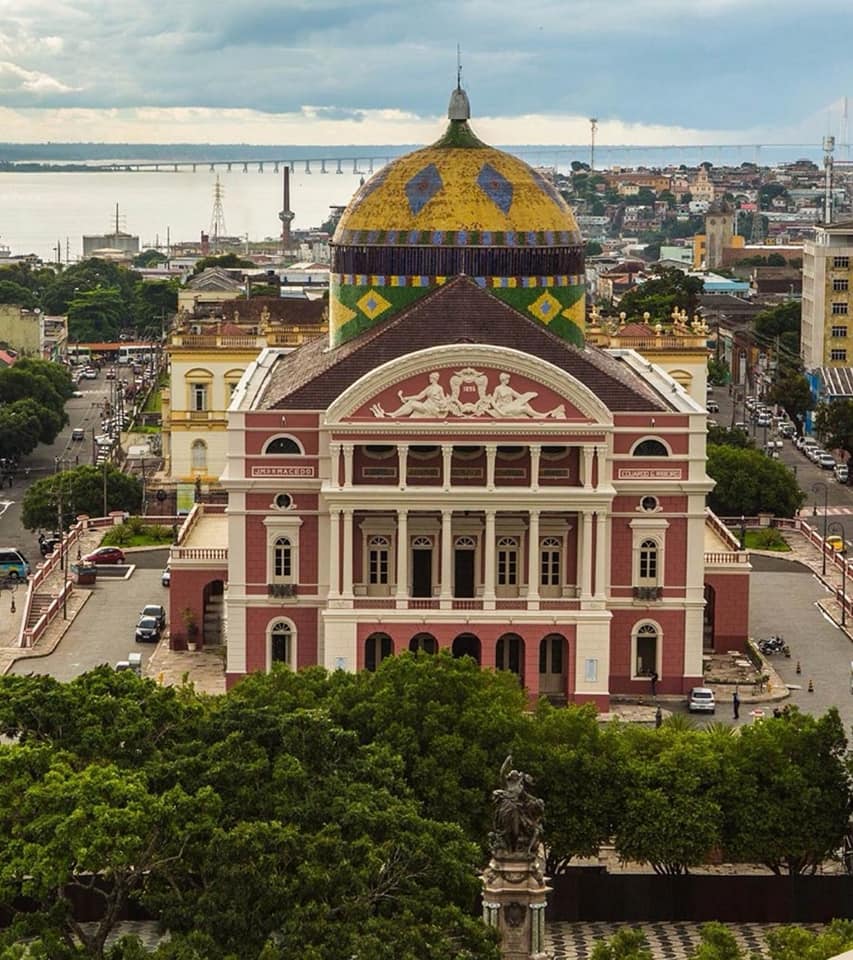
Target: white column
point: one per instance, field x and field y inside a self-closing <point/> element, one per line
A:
<point x="335" y="452"/>
<point x="587" y="467"/>
<point x="446" y="558"/>
<point x="346" y="589"/>
<point x="402" y="461"/>
<point x="402" y="557"/>
<point x="586" y="556"/>
<point x="446" y="457"/>
<point x="348" y="452"/>
<point x="535" y="452"/>
<point x="334" y="554"/>
<point x="533" y="559"/>
<point x="601" y="454"/>
<point x="489" y="553"/>
<point x="491" y="454"/>
<point x="600" y="555"/>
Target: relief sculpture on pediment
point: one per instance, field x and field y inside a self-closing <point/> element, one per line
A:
<point x="468" y="397"/>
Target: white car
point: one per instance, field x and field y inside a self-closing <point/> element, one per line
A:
<point x="701" y="700"/>
<point x="826" y="461"/>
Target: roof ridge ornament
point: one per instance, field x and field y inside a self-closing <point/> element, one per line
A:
<point x="460" y="106"/>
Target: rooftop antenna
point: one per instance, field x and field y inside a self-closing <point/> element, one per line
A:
<point x="828" y="148"/>
<point x="458" y="67"/>
<point x="845" y="134"/>
<point x="460" y="107"/>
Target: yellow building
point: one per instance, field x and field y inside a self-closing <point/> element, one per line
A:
<point x="207" y="358"/>
<point x="827" y="333"/>
<point x="20" y="329"/>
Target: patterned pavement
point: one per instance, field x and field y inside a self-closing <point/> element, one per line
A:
<point x="667" y="940"/>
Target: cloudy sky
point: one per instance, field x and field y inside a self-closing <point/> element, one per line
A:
<point x="339" y="71"/>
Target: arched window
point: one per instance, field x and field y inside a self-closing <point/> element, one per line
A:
<point x="199" y="384"/>
<point x="376" y="648"/>
<point x="509" y="653"/>
<point x="649" y="561"/>
<point x="550" y="555"/>
<point x="283" y="559"/>
<point x="198" y="456"/>
<point x="507" y="561"/>
<point x="283" y="445"/>
<point x="551" y="650"/>
<point x="423" y="642"/>
<point x="650" y="448"/>
<point x="281" y="642"/>
<point x="378" y="549"/>
<point x="646" y="638"/>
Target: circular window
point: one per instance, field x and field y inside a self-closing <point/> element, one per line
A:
<point x="649" y="504"/>
<point x="283" y="501"/>
<point x="380" y="451"/>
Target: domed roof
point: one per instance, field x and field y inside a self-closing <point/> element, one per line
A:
<point x="458" y="192"/>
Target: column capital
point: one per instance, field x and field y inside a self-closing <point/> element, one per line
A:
<point x="534" y="512"/>
<point x="335" y="447"/>
<point x="537" y="447"/>
<point x="403" y="446"/>
<point x="348" y="449"/>
<point x="402" y="511"/>
<point x="491" y="447"/>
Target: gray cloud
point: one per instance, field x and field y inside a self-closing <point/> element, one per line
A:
<point x="714" y="64"/>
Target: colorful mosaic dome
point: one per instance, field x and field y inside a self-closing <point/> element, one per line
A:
<point x="457" y="207"/>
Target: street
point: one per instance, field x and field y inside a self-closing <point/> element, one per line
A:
<point x="103" y="631"/>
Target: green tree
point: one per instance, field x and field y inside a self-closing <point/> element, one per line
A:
<point x="225" y="261"/>
<point x="791" y="391"/>
<point x="16" y="294"/>
<point x="730" y="437"/>
<point x="95" y="315"/>
<point x="671" y="817"/>
<point x="718" y="943"/>
<point x="20" y="428"/>
<point x="149" y="258"/>
<point x="794" y="770"/>
<point x="155" y="302"/>
<point x="667" y="289"/>
<point x="748" y="483"/>
<point x="625" y="944"/>
<point x="795" y="943"/>
<point x="834" y="425"/>
<point x="593" y="248"/>
<point x="81" y="490"/>
<point x="781" y="324"/>
<point x="718" y="372"/>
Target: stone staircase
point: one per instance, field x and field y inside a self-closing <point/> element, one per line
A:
<point x="212" y="627"/>
<point x="38" y="606"/>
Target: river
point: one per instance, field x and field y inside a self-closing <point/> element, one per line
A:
<point x="39" y="210"/>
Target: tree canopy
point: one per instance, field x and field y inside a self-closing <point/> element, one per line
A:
<point x="658" y="296"/>
<point x="748" y="483"/>
<point x="81" y="490"/>
<point x="834" y="425"/>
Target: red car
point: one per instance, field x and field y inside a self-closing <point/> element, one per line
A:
<point x="105" y="555"/>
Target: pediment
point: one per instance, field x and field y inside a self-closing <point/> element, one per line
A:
<point x="469" y="382"/>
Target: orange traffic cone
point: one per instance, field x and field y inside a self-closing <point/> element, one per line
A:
<point x="811" y="686"/>
<point x="799" y="668"/>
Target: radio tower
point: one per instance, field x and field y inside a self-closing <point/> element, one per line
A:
<point x="217" y="217"/>
<point x="285" y="214"/>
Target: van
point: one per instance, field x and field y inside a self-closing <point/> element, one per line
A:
<point x="78" y="433"/>
<point x="13" y="564"/>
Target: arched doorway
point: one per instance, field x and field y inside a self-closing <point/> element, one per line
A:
<point x="553" y="667"/>
<point x="708" y="617"/>
<point x="377" y="647"/>
<point x="423" y="643"/>
<point x="467" y="645"/>
<point x="509" y="654"/>
<point x="213" y="605"/>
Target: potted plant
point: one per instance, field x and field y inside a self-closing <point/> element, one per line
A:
<point x="188" y="616"/>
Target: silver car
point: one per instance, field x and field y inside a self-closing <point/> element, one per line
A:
<point x="701" y="700"/>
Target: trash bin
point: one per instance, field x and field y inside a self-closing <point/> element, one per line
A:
<point x="83" y="573"/>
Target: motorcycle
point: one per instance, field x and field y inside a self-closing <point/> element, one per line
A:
<point x="771" y="645"/>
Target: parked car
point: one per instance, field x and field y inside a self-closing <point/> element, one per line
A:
<point x="826" y="461"/>
<point x="166" y="577"/>
<point x="701" y="700"/>
<point x="836" y="542"/>
<point x="786" y="429"/>
<point x="89" y="374"/>
<point x="157" y="611"/>
<point x="713" y="406"/>
<point x="147" y="630"/>
<point x="842" y="472"/>
<point x="105" y="555"/>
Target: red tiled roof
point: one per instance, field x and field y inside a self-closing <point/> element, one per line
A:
<point x="313" y="376"/>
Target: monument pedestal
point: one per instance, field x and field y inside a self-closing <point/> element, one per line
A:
<point x="514" y="896"/>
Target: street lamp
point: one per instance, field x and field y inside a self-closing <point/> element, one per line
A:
<point x="817" y="486"/>
<point x="837" y="527"/>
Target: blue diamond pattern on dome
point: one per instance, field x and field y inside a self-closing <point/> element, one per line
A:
<point x="423" y="186"/>
<point x="496" y="187"/>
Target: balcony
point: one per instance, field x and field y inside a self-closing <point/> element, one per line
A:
<point x="648" y="593"/>
<point x="281" y="590"/>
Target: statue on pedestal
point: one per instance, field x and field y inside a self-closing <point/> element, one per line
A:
<point x="514" y="884"/>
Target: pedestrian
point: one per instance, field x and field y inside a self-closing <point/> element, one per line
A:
<point x="654" y="678"/>
<point x="26" y="473"/>
<point x="736" y="705"/>
<point x="658" y="717"/>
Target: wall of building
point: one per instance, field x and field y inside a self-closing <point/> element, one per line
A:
<point x="20" y="329"/>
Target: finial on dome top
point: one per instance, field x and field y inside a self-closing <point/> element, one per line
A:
<point x="460" y="106"/>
